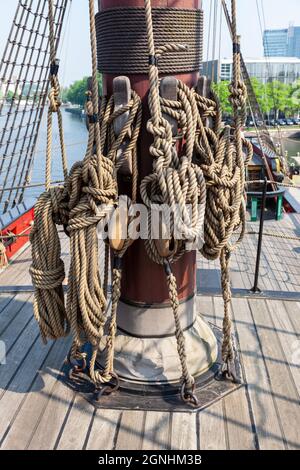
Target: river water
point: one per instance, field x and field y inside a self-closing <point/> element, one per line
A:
<point x="76" y="139"/>
<point x="75" y="134"/>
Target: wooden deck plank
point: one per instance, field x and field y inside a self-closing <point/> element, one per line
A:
<point x="74" y="433"/>
<point x="15" y="391"/>
<point x="238" y="427"/>
<point x="104" y="430"/>
<point x="288" y="338"/>
<point x="292" y="309"/>
<point x="132" y="425"/>
<point x="283" y="388"/>
<point x="157" y="433"/>
<point x="212" y="428"/>
<point x="184" y="433"/>
<point x="12" y="309"/>
<point x="23" y="427"/>
<point x="47" y="432"/>
<point x="15" y="357"/>
<point x="256" y="376"/>
<point x="5" y="299"/>
<point x="14" y="320"/>
<point x="238" y="422"/>
<point x="17" y="269"/>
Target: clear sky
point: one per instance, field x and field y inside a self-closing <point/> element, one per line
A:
<point x="75" y="55"/>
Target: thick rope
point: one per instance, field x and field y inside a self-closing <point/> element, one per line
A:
<point x="122" y="39"/>
<point x="175" y="181"/>
<point x="89" y="194"/>
<point x="207" y="174"/>
<point x="221" y="158"/>
<point x="47" y="268"/>
<point x="86" y="305"/>
<point x="218" y="154"/>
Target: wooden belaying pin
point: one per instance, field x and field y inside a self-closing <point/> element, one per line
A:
<point x="118" y="226"/>
<point x="122" y="97"/>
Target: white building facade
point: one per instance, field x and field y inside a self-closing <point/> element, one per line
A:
<point x="283" y="69"/>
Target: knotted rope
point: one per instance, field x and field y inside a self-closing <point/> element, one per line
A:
<point x="220" y="156"/>
<point x="89" y="194"/>
<point x="47" y="268"/>
<point x="207" y="174"/>
<point x="3" y="256"/>
<point x="175" y="181"/>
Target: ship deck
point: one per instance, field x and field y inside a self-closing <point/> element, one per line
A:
<point x="38" y="411"/>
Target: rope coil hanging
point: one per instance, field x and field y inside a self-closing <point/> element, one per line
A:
<point x="220" y="157"/>
<point x="78" y="206"/>
<point x="205" y="171"/>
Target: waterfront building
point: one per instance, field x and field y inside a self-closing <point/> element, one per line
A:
<point x="282" y="42"/>
<point x="283" y="69"/>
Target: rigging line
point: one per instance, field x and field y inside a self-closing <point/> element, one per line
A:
<point x="272" y="84"/>
<point x="261" y="31"/>
<point x="33" y="185"/>
<point x="19" y="101"/>
<point x="41" y="96"/>
<point x="208" y="38"/>
<point x="10" y="61"/>
<point x="27" y="178"/>
<point x="220" y="33"/>
<point x="66" y="41"/>
<point x="215" y="19"/>
<point x="9" y="45"/>
<point x="266" y="162"/>
<point x="18" y="105"/>
<point x="73" y="144"/>
<point x="10" y="34"/>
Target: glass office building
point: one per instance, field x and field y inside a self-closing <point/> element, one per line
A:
<point x="282" y="42"/>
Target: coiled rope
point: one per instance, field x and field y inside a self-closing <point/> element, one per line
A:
<point x="122" y="39"/>
<point x="79" y="207"/>
<point x="212" y="155"/>
<point x="221" y="158"/>
<point x="207" y="174"/>
<point x="47" y="270"/>
<point x="175" y="181"/>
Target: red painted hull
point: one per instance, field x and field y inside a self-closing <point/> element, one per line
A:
<point x="19" y="226"/>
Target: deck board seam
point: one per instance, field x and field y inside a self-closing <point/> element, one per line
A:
<point x="117" y="430"/>
<point x="292" y="320"/>
<point x="52" y="391"/>
<point x="198" y="430"/>
<point x="169" y="437"/>
<point x="283" y="352"/>
<point x="226" y="432"/>
<point x="89" y="430"/>
<point x="16" y="314"/>
<point x="18" y="336"/>
<point x="19" y="366"/>
<point x="10" y="299"/>
<point x="247" y="392"/>
<point x="10" y="426"/>
<point x="61" y="431"/>
<point x="284" y="439"/>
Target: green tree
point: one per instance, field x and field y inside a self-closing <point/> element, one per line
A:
<point x="295" y="97"/>
<point x="222" y="91"/>
<point x="279" y="94"/>
<point x="10" y="95"/>
<point x="76" y="93"/>
<point x="262" y="95"/>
